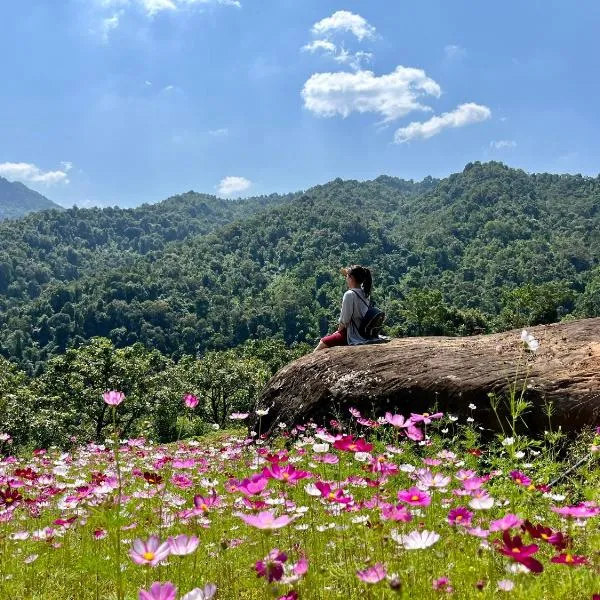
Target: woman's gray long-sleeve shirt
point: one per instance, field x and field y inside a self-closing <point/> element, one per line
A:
<point x="353" y="310"/>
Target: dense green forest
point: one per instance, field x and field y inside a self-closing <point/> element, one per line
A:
<point x="211" y="297"/>
<point x="17" y="200"/>
<point x="486" y="249"/>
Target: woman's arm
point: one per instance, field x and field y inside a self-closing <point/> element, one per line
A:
<point x="346" y="312"/>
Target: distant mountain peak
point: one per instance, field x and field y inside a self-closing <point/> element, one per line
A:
<point x="17" y="200"/>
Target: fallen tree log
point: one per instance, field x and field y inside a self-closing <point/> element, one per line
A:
<point x="449" y="374"/>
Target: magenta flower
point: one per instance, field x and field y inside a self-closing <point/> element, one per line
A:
<point x="203" y="503"/>
<point x="414" y="433"/>
<point x="473" y="483"/>
<point x="372" y="574"/>
<point x="508" y="521"/>
<point x="520" y="478"/>
<point x="190" y="401"/>
<point x="349" y="444"/>
<point x="255" y="485"/>
<point x="266" y="520"/>
<point x="181" y="545"/>
<point x="150" y="552"/>
<point x="460" y="516"/>
<point x="288" y="473"/>
<point x="569" y="559"/>
<point x="514" y="548"/>
<point x="395" y="513"/>
<point x="113" y="398"/>
<point x="332" y="495"/>
<point x="159" y="591"/>
<point x="581" y="511"/>
<point x="442" y="585"/>
<point x="271" y="567"/>
<point x="415" y="497"/>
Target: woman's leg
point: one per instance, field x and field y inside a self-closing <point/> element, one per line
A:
<point x="337" y="338"/>
<point x="321" y="346"/>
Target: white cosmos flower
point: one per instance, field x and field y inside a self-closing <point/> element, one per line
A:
<point x="320" y="448"/>
<point x="509" y="441"/>
<point x="530" y="342"/>
<point x="262" y="412"/>
<point x="415" y="540"/>
<point x="482" y="502"/>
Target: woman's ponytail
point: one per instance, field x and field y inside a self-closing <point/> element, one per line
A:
<point x="363" y="277"/>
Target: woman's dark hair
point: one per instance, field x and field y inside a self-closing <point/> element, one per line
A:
<point x="363" y="277"/>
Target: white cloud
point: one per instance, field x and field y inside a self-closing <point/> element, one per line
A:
<point x="462" y="115"/>
<point x="454" y="51"/>
<point x="502" y="144"/>
<point x="392" y="96"/>
<point x="29" y="173"/>
<point x="224" y="132"/>
<point x="109" y="24"/>
<point x="324" y="45"/>
<point x="233" y="185"/>
<point x="67" y="165"/>
<point x="354" y="60"/>
<point x="153" y="7"/>
<point x="150" y="7"/>
<point x="344" y="20"/>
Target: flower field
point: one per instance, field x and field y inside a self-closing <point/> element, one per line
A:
<point x="408" y="506"/>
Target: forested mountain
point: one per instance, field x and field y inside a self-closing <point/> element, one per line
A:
<point x="488" y="248"/>
<point x="17" y="200"/>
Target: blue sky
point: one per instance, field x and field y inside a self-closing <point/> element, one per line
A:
<point x="112" y="102"/>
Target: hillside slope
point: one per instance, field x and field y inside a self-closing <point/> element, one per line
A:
<point x="487" y="249"/>
<point x="17" y="200"/>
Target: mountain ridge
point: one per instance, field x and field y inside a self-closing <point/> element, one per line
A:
<point x="17" y="200"/>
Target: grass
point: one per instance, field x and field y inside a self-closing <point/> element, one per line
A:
<point x="58" y="534"/>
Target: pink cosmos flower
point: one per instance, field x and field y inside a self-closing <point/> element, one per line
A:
<point x="159" y="591"/>
<point x="190" y="401"/>
<point x="328" y="459"/>
<point x="271" y="567"/>
<point x="481" y="500"/>
<point x="520" y="478"/>
<point x="206" y="593"/>
<point x="414" y="433"/>
<point x="181" y="481"/>
<point x="581" y="511"/>
<point x="332" y="495"/>
<point x="150" y="552"/>
<point x="372" y="574"/>
<point x="237" y="416"/>
<point x="113" y="398"/>
<point x="478" y="532"/>
<point x="442" y="585"/>
<point x="473" y="483"/>
<point x="464" y="474"/>
<point x="181" y="545"/>
<point x="255" y="485"/>
<point x="349" y="444"/>
<point x="415" y="497"/>
<point x="397" y="420"/>
<point x="389" y="512"/>
<point x="569" y="559"/>
<point x="288" y="474"/>
<point x="266" y="520"/>
<point x="427" y="480"/>
<point x="203" y="503"/>
<point x="460" y="516"/>
<point x="425" y="418"/>
<point x="508" y="521"/>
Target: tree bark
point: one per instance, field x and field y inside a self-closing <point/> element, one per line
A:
<point x="447" y="374"/>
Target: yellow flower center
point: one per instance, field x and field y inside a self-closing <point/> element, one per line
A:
<point x="569" y="558"/>
<point x="203" y="507"/>
<point x="149" y="555"/>
<point x="331" y="496"/>
<point x="286" y="476"/>
<point x="459" y="518"/>
<point x="414" y="498"/>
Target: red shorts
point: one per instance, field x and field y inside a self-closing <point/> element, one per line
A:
<point x="335" y="339"/>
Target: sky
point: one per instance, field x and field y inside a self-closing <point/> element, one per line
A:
<point x="120" y="102"/>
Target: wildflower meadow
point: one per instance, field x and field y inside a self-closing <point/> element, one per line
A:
<point x="399" y="506"/>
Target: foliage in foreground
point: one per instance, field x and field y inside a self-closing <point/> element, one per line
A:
<point x="415" y="509"/>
